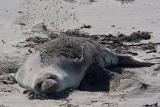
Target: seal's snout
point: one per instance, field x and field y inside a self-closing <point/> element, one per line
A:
<point x="49" y="86"/>
<point x="46" y="83"/>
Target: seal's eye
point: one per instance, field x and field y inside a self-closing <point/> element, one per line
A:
<point x="53" y="77"/>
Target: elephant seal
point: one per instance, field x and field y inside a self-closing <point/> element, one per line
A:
<point x="61" y="63"/>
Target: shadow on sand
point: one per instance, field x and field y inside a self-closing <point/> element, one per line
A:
<point x="98" y="78"/>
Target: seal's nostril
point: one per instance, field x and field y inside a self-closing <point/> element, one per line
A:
<point x="49" y="86"/>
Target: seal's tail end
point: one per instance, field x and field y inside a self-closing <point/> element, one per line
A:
<point x="130" y="61"/>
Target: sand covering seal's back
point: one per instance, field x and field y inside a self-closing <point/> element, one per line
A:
<point x="67" y="46"/>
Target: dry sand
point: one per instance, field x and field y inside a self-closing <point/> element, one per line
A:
<point x="20" y="19"/>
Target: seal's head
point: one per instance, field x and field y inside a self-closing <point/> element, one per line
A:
<point x="38" y="77"/>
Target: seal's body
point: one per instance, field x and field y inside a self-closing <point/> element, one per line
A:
<point x="61" y="74"/>
<point x="62" y="63"/>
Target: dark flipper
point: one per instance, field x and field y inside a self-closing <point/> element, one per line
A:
<point x="130" y="61"/>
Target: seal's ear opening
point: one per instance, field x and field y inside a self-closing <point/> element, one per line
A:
<point x="49" y="86"/>
<point x="130" y="61"/>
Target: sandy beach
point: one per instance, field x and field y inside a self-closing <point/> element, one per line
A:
<point x="22" y="19"/>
